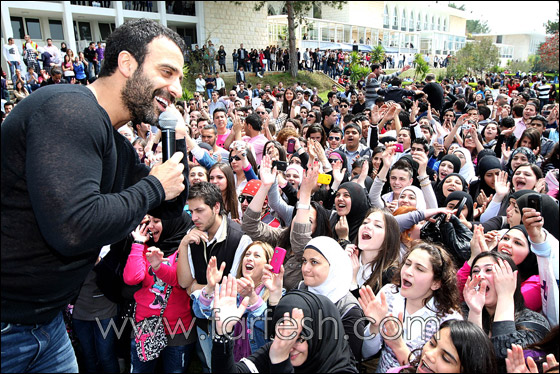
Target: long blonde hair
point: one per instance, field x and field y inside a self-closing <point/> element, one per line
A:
<point x="268" y="252"/>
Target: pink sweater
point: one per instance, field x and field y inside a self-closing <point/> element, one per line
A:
<point x="530" y="288"/>
<point x="150" y="297"/>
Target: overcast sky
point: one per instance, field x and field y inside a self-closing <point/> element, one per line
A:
<point x="512" y="16"/>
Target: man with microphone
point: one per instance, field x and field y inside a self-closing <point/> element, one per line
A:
<point x="74" y="184"/>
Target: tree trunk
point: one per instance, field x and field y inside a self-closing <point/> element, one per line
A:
<point x="292" y="39"/>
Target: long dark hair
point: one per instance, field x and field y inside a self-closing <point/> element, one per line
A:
<point x="279" y="147"/>
<point x="230" y="194"/>
<point x="447" y="295"/>
<point x="287" y="107"/>
<point x="323" y="227"/>
<point x="475" y="350"/>
<point x="389" y="250"/>
<point x="518" y="301"/>
<point x="314" y="129"/>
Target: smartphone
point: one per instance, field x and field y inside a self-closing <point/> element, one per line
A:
<point x="546" y="112"/>
<point x="280" y="165"/>
<point x="399" y="147"/>
<point x="324" y="179"/>
<point x="277" y="259"/>
<point x="534" y="201"/>
<point x="291" y="148"/>
<point x="465" y="126"/>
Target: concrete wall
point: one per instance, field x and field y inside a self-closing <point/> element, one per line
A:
<point x="333" y="14"/>
<point x="366" y="13"/>
<point x="521" y="44"/>
<point x="229" y="25"/>
<point x="457" y="26"/>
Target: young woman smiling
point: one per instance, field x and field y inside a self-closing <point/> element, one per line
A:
<point x="424" y="287"/>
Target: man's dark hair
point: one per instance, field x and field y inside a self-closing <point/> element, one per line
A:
<point x="430" y="77"/>
<point x="47" y="39"/>
<point x="255" y="121"/>
<point x="209" y="193"/>
<point x="536" y="101"/>
<point x="134" y="37"/>
<point x="375" y="66"/>
<point x="481" y="83"/>
<point x="331" y="94"/>
<point x="396" y="82"/>
<point x="461" y="105"/>
<point x="507" y="122"/>
<point x="348" y="118"/>
<point x="219" y="110"/>
<point x="423" y="142"/>
<point x="353" y="125"/>
<point x="540" y="118"/>
<point x="517" y="109"/>
<point x="470" y="107"/>
<point x="8" y="103"/>
<point x="485" y="111"/>
<point x="525" y="96"/>
<point x="209" y="127"/>
<point x="56" y="71"/>
<point x="405" y="119"/>
<point x="344" y="100"/>
<point x="336" y="130"/>
<point x="427" y="127"/>
<point x="379" y="99"/>
<point x="327" y="111"/>
<point x="201" y="119"/>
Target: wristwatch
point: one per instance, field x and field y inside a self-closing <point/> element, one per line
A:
<point x="303" y="206"/>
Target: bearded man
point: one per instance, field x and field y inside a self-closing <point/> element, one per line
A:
<point x="72" y="184"/>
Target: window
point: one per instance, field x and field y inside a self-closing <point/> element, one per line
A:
<point x="395" y="20"/>
<point x="445" y="24"/>
<point x="499" y="39"/>
<point x="34" y="28"/>
<point x="419" y="23"/>
<point x="439" y="24"/>
<point x="17" y="27"/>
<point x="433" y="23"/>
<point x="411" y="22"/>
<point x="317" y="11"/>
<point x="55" y="27"/>
<point x="426" y="23"/>
<point x="105" y="30"/>
<point x="85" y="31"/>
<point x="386" y="17"/>
<point x="403" y="21"/>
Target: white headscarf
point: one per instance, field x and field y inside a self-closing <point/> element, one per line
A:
<point x="338" y="282"/>
<point x="467" y="171"/>
<point x="420" y="201"/>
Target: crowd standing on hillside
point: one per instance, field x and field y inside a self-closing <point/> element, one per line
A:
<point x="419" y="223"/>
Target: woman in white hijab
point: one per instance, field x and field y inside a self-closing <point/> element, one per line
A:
<point x="467" y="167"/>
<point x="327" y="271"/>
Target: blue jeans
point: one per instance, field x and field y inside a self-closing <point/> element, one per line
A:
<point x="205" y="341"/>
<point x="42" y="348"/>
<point x="13" y="66"/>
<point x="234" y="66"/>
<point x="209" y="92"/>
<point x="175" y="359"/>
<point x="95" y="347"/>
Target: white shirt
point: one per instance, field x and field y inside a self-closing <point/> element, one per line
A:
<point x="11" y="52"/>
<point x="219" y="83"/>
<point x="200" y="84"/>
<point x="55" y="53"/>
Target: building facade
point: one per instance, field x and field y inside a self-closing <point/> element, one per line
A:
<point x="514" y="46"/>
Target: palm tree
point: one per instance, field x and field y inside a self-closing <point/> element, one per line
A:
<point x="378" y="54"/>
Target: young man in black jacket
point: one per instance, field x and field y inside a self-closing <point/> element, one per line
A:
<point x="72" y="184"/>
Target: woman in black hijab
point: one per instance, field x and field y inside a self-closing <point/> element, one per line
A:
<point x="449" y="185"/>
<point x="549" y="211"/>
<point x="449" y="164"/>
<point x="488" y="168"/>
<point x="352" y="194"/>
<point x="316" y="348"/>
<point x="167" y="234"/>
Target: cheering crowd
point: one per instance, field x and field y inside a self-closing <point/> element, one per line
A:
<point x="387" y="229"/>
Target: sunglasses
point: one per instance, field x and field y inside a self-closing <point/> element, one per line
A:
<point x="261" y="113"/>
<point x="333" y="160"/>
<point x="344" y="106"/>
<point x="234" y="158"/>
<point x="311" y="116"/>
<point x="334" y="138"/>
<point x="242" y="198"/>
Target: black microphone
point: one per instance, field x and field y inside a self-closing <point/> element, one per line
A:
<point x="167" y="123"/>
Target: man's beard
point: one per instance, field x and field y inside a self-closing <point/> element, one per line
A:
<point x="138" y="97"/>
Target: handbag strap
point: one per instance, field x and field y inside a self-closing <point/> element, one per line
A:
<point x="167" y="293"/>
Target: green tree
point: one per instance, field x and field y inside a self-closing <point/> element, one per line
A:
<point x="479" y="56"/>
<point x="422" y="67"/>
<point x="523" y="66"/>
<point x="552" y="26"/>
<point x="297" y="11"/>
<point x="377" y="54"/>
<point x="475" y="26"/>
<point x="455" y="69"/>
<point x="453" y="5"/>
<point x="357" y="71"/>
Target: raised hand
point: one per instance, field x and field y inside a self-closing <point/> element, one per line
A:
<point x="533" y="222"/>
<point x="213" y="274"/>
<point x="505" y="279"/>
<point x="501" y="185"/>
<point x="540" y="187"/>
<point x="155" y="257"/>
<point x="141" y="233"/>
<point x="273" y="282"/>
<point x="268" y="175"/>
<point x="422" y="159"/>
<point x="226" y="311"/>
<point x="338" y="174"/>
<point x="474" y="293"/>
<point x="515" y="361"/>
<point x="342" y="229"/>
<point x="194" y="236"/>
<point x="363" y="174"/>
<point x="506" y="152"/>
<point x="309" y="180"/>
<point x="375" y="308"/>
<point x="286" y="337"/>
<point x="392" y="335"/>
<point x="478" y="243"/>
<point x="246" y="287"/>
<point x="354" y="255"/>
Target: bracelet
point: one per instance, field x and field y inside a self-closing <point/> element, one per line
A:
<point x="297" y="150"/>
<point x="138" y="242"/>
<point x="381" y="179"/>
<point x="425" y="184"/>
<point x="423" y="177"/>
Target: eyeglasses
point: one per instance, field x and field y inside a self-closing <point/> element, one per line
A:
<point x="261" y="113"/>
<point x="205" y="106"/>
<point x="234" y="158"/>
<point x="334" y="138"/>
<point x="242" y="198"/>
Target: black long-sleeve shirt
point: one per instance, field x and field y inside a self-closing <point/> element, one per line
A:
<point x="70" y="184"/>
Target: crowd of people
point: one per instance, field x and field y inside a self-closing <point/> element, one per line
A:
<point x="387" y="229"/>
